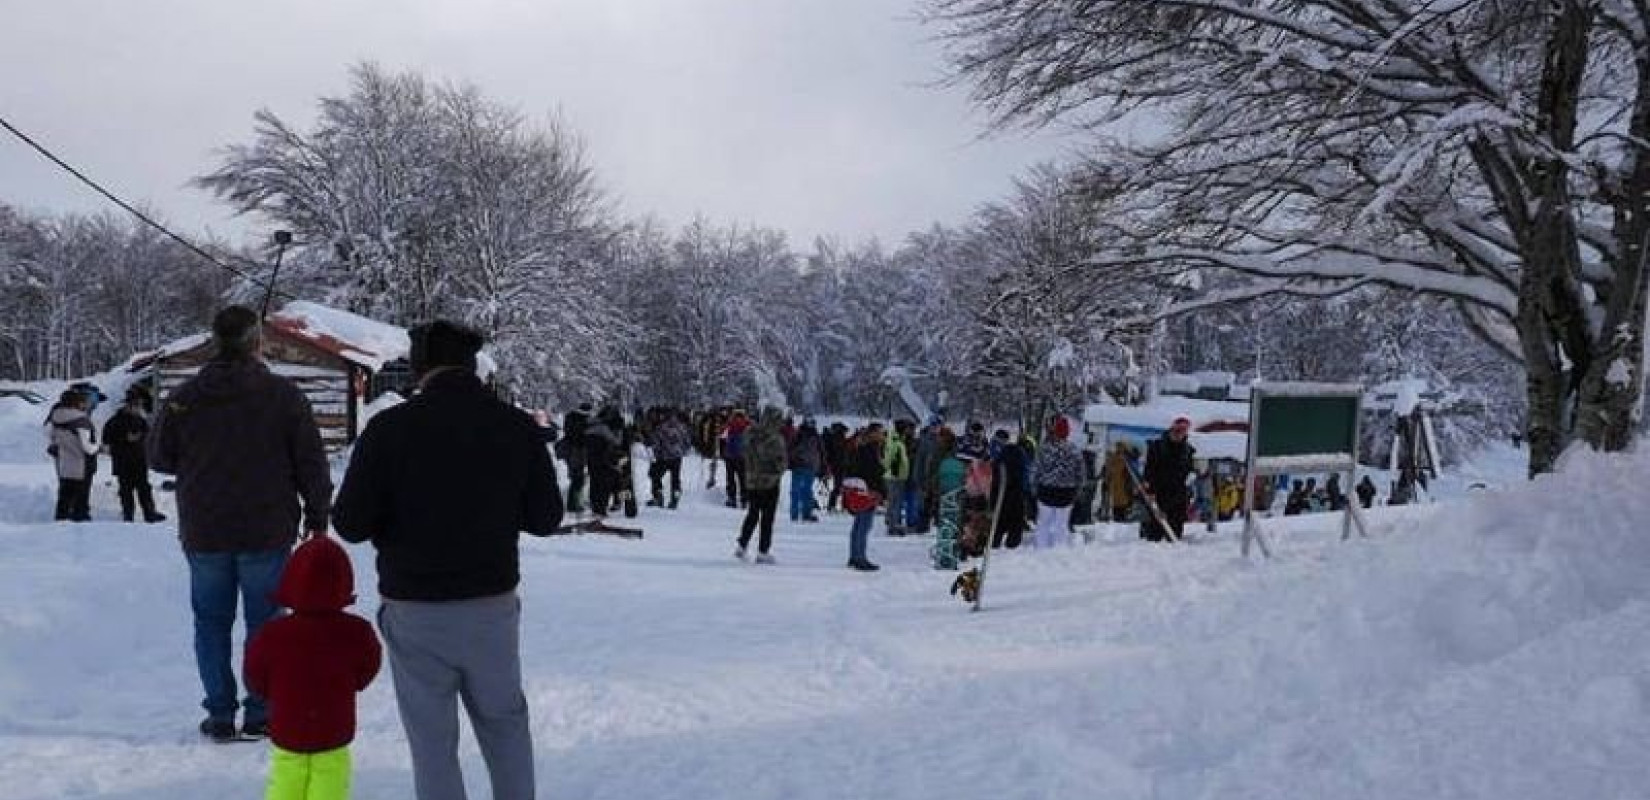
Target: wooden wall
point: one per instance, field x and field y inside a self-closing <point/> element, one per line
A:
<point x="325" y="379"/>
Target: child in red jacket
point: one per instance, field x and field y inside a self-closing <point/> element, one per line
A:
<point x="310" y="664"/>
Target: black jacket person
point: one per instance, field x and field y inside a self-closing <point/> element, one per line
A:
<point x="443" y="485"/>
<point x="1168" y="464"/>
<point x="125" y="434"/>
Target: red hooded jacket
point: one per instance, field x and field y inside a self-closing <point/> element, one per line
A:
<point x="310" y="663"/>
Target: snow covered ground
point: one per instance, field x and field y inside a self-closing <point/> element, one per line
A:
<point x="1497" y="646"/>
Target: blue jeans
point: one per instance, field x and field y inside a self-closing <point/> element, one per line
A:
<point x="802" y="493"/>
<point x="913" y="503"/>
<point x="215" y="579"/>
<point x="896" y="506"/>
<point x="860" y="534"/>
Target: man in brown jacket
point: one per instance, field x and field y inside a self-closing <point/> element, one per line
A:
<point x="244" y="447"/>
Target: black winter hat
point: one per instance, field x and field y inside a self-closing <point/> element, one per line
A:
<point x="443" y="344"/>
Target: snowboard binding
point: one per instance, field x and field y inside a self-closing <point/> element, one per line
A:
<point x="968" y="585"/>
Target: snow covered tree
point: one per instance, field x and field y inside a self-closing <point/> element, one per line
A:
<point x="410" y="202"/>
<point x="1489" y="152"/>
<point x="79" y="294"/>
<point x="1040" y="312"/>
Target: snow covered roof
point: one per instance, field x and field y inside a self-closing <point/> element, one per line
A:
<point x="1403" y="397"/>
<point x="364" y="341"/>
<point x="1224" y="444"/>
<point x="183" y="345"/>
<point x="1161" y="411"/>
<point x="357" y="339"/>
<point x="1182" y="384"/>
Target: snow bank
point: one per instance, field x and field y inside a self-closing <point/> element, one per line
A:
<point x="1570" y="546"/>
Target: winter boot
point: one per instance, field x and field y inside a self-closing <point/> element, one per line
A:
<point x="739" y="552"/>
<point x="675" y="499"/>
<point x="764" y="558"/>
<point x="218" y="730"/>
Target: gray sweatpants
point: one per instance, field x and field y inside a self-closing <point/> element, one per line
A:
<point x="470" y="650"/>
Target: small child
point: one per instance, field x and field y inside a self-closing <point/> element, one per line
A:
<point x="309" y="665"/>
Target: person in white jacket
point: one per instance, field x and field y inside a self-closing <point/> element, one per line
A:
<point x="72" y="444"/>
<point x="1059" y="472"/>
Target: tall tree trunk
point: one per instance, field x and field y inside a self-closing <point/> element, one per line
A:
<point x="1612" y="388"/>
<point x="1552" y="318"/>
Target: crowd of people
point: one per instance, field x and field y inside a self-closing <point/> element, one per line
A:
<point x="443" y="505"/>
<point x="73" y="444"/>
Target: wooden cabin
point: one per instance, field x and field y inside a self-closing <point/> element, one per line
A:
<point x="333" y="357"/>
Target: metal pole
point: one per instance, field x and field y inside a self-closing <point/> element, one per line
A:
<point x="282" y="239"/>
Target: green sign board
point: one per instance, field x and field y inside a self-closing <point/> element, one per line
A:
<point x="1302" y="428"/>
<point x="1305" y="425"/>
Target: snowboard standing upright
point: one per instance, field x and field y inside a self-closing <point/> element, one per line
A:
<point x="971" y="584"/>
<point x="945" y="537"/>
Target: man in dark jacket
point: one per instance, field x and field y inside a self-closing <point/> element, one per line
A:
<point x="1366" y="492"/>
<point x="733" y="455"/>
<point x="921" y="503"/>
<point x="1168" y="463"/>
<point x="835" y="445"/>
<point x="807" y="461"/>
<point x="604" y="454"/>
<point x="571" y="450"/>
<point x="244" y="447"/>
<point x="124" y="434"/>
<point x="1013" y="465"/>
<point x="442" y="486"/>
<point x="706" y="440"/>
<point x="670" y="441"/>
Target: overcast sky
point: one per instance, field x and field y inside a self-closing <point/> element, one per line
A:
<point x="817" y="117"/>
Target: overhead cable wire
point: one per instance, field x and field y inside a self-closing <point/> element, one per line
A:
<point x="145" y="218"/>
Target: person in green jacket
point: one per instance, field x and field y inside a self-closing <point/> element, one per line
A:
<point x="765" y="464"/>
<point x="896" y="470"/>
